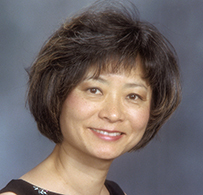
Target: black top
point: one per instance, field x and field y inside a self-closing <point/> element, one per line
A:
<point x="22" y="187"/>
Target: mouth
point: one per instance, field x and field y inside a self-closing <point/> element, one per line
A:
<point x="107" y="135"/>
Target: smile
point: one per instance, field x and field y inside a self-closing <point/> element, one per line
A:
<point x="114" y="134"/>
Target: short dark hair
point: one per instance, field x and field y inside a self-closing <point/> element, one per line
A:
<point x="90" y="39"/>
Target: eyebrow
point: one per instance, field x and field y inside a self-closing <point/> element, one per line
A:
<point x="97" y="79"/>
<point x="133" y="85"/>
<point x="127" y="85"/>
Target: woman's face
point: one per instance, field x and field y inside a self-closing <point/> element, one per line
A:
<point x="107" y="116"/>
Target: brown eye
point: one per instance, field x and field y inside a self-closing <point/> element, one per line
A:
<point x="95" y="90"/>
<point x="133" y="96"/>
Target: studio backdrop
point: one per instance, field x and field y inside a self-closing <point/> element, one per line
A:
<point x="172" y="164"/>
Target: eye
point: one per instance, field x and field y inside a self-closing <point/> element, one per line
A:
<point x="95" y="91"/>
<point x="133" y="96"/>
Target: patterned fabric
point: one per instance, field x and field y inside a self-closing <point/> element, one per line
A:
<point x="40" y="191"/>
<point x="22" y="187"/>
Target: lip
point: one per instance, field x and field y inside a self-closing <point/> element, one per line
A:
<point x="107" y="135"/>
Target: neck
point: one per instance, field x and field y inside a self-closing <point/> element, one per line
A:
<point x="78" y="174"/>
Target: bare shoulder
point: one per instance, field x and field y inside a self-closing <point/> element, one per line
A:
<point x="8" y="193"/>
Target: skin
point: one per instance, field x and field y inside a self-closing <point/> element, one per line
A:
<point x="100" y="120"/>
<point x="113" y="103"/>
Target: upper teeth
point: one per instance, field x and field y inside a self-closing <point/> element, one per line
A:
<point x="107" y="133"/>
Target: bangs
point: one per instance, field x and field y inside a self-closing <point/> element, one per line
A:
<point x="112" y="64"/>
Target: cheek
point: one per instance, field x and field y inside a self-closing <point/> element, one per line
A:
<point x="139" y="118"/>
<point x="77" y="108"/>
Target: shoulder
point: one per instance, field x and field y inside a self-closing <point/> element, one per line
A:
<point x="15" y="187"/>
<point x="7" y="190"/>
<point x="113" y="188"/>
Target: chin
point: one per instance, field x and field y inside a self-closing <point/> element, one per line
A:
<point x="108" y="154"/>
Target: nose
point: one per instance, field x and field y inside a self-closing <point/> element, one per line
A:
<point x="112" y="110"/>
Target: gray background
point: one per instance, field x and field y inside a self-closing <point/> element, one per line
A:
<point x="172" y="163"/>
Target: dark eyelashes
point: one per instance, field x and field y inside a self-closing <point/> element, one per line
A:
<point x="134" y="96"/>
<point x="98" y="91"/>
<point x="94" y="90"/>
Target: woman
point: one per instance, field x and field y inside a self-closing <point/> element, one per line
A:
<point x="102" y="85"/>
